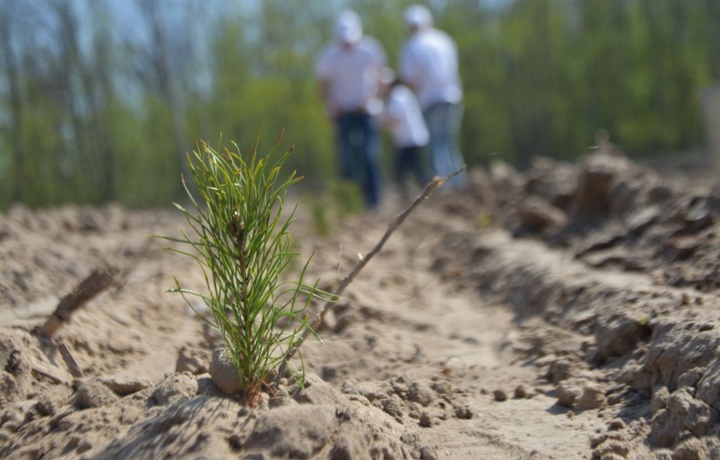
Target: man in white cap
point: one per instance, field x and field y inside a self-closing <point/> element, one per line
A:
<point x="349" y="72"/>
<point x="429" y="64"/>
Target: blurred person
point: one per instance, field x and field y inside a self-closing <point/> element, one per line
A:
<point x="349" y="71"/>
<point x="403" y="118"/>
<point x="429" y="64"/>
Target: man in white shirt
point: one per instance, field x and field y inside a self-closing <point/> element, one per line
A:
<point x="349" y="74"/>
<point x="429" y="64"/>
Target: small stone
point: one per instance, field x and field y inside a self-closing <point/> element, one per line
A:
<point x="427" y="453"/>
<point x="92" y="393"/>
<point x="425" y="420"/>
<point x="45" y="406"/>
<point x="568" y="392"/>
<point x="393" y="406"/>
<point x="521" y="392"/>
<point x="592" y="397"/>
<point x="328" y="373"/>
<point x="500" y="395"/>
<point x="223" y="373"/>
<point x="464" y="412"/>
<point x="420" y="393"/>
<point x="559" y="370"/>
<point x="443" y="388"/>
<point x="235" y="441"/>
<point x="704" y="327"/>
<point x="455" y="367"/>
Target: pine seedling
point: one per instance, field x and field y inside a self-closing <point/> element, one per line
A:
<point x="240" y="238"/>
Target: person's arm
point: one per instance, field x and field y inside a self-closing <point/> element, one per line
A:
<point x="390" y="114"/>
<point x="331" y="108"/>
<point x="322" y="76"/>
<point x="388" y="120"/>
<point x="379" y="62"/>
<point x="407" y="69"/>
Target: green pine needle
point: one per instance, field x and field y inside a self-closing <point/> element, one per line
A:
<point x="240" y="238"/>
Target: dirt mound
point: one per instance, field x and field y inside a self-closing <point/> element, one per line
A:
<point x="571" y="298"/>
<point x="186" y="415"/>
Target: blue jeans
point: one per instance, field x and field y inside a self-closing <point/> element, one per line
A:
<point x="443" y="120"/>
<point x="358" y="143"/>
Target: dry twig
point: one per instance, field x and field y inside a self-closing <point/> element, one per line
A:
<point x="69" y="360"/>
<point x="91" y="286"/>
<point x="320" y="316"/>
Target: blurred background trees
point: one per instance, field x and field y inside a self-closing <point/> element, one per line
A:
<point x="101" y="99"/>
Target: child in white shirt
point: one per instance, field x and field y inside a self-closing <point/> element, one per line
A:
<point x="404" y="120"/>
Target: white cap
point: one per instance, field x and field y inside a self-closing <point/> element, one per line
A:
<point x="418" y="17"/>
<point x="348" y="27"/>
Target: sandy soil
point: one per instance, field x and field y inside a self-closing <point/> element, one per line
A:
<point x="567" y="312"/>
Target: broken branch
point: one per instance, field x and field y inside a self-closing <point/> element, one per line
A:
<point x="69" y="360"/>
<point x="91" y="286"/>
<point x="436" y="183"/>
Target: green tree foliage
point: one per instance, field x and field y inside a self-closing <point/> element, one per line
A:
<point x="101" y="99"/>
<point x="543" y="76"/>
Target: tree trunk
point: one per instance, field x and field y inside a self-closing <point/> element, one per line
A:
<point x="16" y="106"/>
